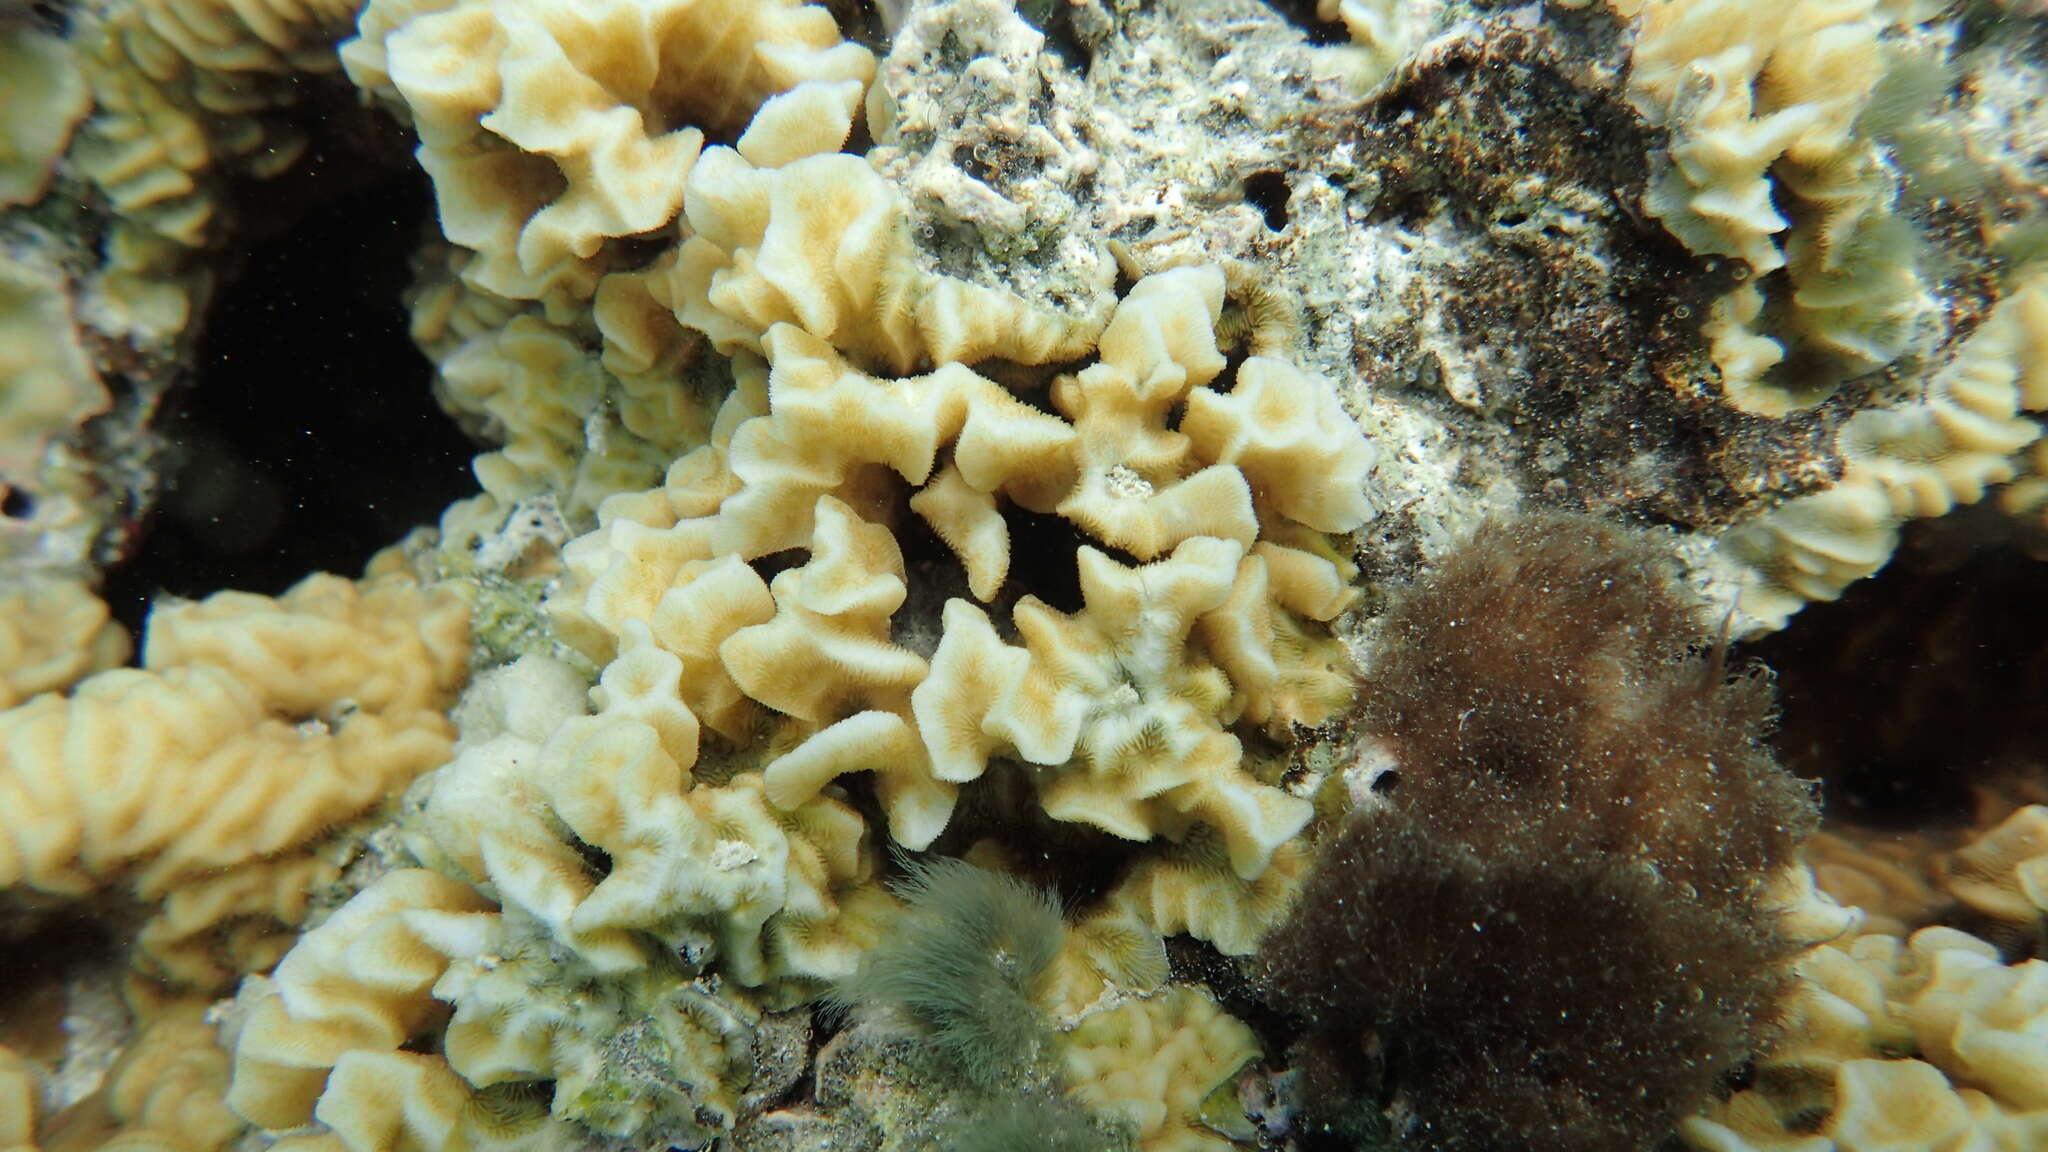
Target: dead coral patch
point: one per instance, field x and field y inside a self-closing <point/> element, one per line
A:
<point x="1560" y="306"/>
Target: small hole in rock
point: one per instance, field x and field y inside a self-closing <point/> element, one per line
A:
<point x="16" y="504"/>
<point x="1268" y="192"/>
<point x="1320" y="32"/>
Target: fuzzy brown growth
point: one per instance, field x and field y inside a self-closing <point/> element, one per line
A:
<point x="1545" y="681"/>
<point x="1548" y="934"/>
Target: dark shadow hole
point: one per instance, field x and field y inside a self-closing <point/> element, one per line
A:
<point x="16" y="504"/>
<point x="776" y="563"/>
<point x="1302" y="14"/>
<point x="1268" y="192"/>
<point x="1921" y="682"/>
<point x="1044" y="558"/>
<point x="595" y="859"/>
<point x="309" y="437"/>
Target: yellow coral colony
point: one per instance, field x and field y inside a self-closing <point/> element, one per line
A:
<point x="2003" y="875"/>
<point x="1930" y="1042"/>
<point x="187" y="96"/>
<point x="1153" y="1063"/>
<point x="1762" y="101"/>
<point x="593" y="983"/>
<point x="47" y="383"/>
<point x="1120" y="710"/>
<point x="1921" y="456"/>
<point x="43" y="96"/>
<point x="550" y="130"/>
<point x="206" y="782"/>
<point x="729" y="705"/>
<point x="53" y="631"/>
<point x="616" y="887"/>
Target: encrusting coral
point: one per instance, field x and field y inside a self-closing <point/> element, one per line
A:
<point x="205" y="783"/>
<point x="52" y="632"/>
<point x="549" y="131"/>
<point x="17" y="1103"/>
<point x="2002" y="876"/>
<point x="47" y="383"/>
<point x="748" y="859"/>
<point x="1120" y="708"/>
<point x="545" y="392"/>
<point x="594" y="980"/>
<point x="1154" y="1064"/>
<point x="981" y="447"/>
<point x="45" y="96"/>
<point x="1928" y="1042"/>
<point x="1763" y="102"/>
<point x="1923" y="456"/>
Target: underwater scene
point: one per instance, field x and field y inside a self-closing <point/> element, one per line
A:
<point x="1024" y="575"/>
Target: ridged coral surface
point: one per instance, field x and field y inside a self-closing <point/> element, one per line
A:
<point x="1188" y="563"/>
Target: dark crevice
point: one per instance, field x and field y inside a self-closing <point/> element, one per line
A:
<point x="1302" y="14"/>
<point x="1077" y="862"/>
<point x="1268" y="192"/>
<point x="776" y="563"/>
<point x="1044" y="558"/>
<point x="596" y="860"/>
<point x="1922" y="683"/>
<point x="309" y="437"/>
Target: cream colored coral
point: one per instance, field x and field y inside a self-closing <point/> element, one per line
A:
<point x="1921" y="457"/>
<point x="53" y="631"/>
<point x="551" y="130"/>
<point x="18" y="1103"/>
<point x="1196" y="891"/>
<point x="2003" y="874"/>
<point x="166" y="1091"/>
<point x="1382" y="31"/>
<point x="1151" y="1064"/>
<point x="1762" y="102"/>
<point x="1106" y="954"/>
<point x="823" y="243"/>
<point x="1120" y="711"/>
<point x="206" y="780"/>
<point x="44" y="96"/>
<point x="1888" y="877"/>
<point x="569" y="428"/>
<point x="181" y="89"/>
<point x="2027" y="495"/>
<point x="47" y="384"/>
<point x="177" y="773"/>
<point x="590" y="980"/>
<point x="1126" y="732"/>
<point x="711" y="870"/>
<point x="1926" y="1043"/>
<point x="328" y="647"/>
<point x="360" y="983"/>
